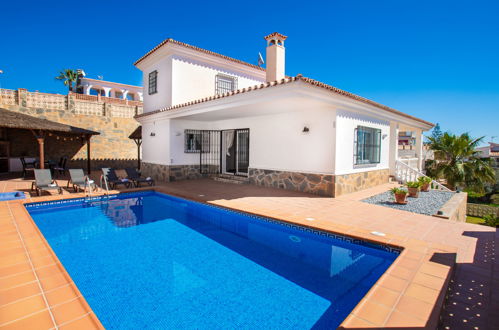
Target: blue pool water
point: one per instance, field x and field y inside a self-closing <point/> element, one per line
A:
<point x="149" y="260"/>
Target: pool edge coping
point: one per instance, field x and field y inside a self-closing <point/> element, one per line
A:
<point x="415" y="257"/>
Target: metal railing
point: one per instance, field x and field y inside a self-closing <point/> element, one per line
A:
<point x="405" y="173"/>
<point x="103" y="179"/>
<point x="88" y="184"/>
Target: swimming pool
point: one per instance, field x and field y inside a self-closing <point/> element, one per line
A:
<point x="152" y="260"/>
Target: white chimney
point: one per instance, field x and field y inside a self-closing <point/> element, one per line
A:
<point x="275" y="56"/>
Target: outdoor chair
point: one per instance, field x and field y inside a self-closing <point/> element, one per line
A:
<point x="27" y="167"/>
<point x="113" y="180"/>
<point x="79" y="180"/>
<point x="43" y="182"/>
<point x="133" y="175"/>
<point x="61" y="166"/>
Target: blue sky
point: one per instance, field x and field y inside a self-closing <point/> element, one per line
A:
<point x="437" y="60"/>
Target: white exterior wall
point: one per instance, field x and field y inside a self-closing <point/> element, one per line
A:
<point x="276" y="141"/>
<point x="163" y="97"/>
<point x="156" y="149"/>
<point x="346" y="122"/>
<point x="181" y="80"/>
<point x="195" y="80"/>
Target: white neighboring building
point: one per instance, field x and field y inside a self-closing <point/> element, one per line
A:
<point x="209" y="114"/>
<point x="111" y="89"/>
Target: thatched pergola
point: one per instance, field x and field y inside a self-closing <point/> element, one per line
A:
<point x="137" y="138"/>
<point x="41" y="127"/>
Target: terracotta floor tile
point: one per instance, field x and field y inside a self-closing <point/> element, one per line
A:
<point x="384" y="296"/>
<point x="69" y="311"/>
<point x="61" y="295"/>
<point x="21" y="308"/>
<point x="41" y="320"/>
<point x="16" y="280"/>
<point x="422" y="293"/>
<point x="14" y="269"/>
<point x="415" y="307"/>
<point x="373" y="313"/>
<point x="13" y="259"/>
<point x="84" y="323"/>
<point x="429" y="281"/>
<point x="353" y="322"/>
<point x="53" y="282"/>
<point x="400" y="320"/>
<point x="393" y="283"/>
<point x="19" y="292"/>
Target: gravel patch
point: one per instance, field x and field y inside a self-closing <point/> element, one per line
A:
<point x="427" y="203"/>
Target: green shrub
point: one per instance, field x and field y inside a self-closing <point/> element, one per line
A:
<point x="494" y="199"/>
<point x="424" y="179"/>
<point x="398" y="191"/>
<point x="413" y="184"/>
<point x="491" y="220"/>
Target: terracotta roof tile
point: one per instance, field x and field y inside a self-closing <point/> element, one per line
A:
<point x="280" y="36"/>
<point x="284" y="81"/>
<point x="209" y="52"/>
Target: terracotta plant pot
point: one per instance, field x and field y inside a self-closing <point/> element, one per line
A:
<point x="400" y="198"/>
<point x="413" y="192"/>
<point x="425" y="187"/>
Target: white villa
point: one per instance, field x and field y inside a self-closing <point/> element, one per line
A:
<point x="209" y="114"/>
<point x="110" y="89"/>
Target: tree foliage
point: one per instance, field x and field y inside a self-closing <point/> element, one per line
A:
<point x="457" y="161"/>
<point x="68" y="77"/>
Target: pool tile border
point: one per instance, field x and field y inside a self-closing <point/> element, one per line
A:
<point x="403" y="279"/>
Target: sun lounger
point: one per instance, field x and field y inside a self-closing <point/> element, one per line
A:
<point x="113" y="180"/>
<point x="44" y="182"/>
<point x="133" y="175"/>
<point x="79" y="180"/>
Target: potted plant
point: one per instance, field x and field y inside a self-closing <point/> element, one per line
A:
<point x="400" y="195"/>
<point x="425" y="183"/>
<point x="413" y="187"/>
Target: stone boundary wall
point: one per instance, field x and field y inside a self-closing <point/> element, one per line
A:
<point x="455" y="208"/>
<point x="114" y="120"/>
<point x="480" y="210"/>
<point x="318" y="184"/>
<point x="348" y="183"/>
<point x="169" y="173"/>
<point x="73" y="102"/>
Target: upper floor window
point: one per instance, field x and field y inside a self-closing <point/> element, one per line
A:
<point x="367" y="145"/>
<point x="153" y="82"/>
<point x="225" y="83"/>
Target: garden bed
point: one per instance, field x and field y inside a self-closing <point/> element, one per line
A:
<point x="427" y="203"/>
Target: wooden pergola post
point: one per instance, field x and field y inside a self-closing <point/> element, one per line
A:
<point x="138" y="142"/>
<point x="87" y="138"/>
<point x="40" y="137"/>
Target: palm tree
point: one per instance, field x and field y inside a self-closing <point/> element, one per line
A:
<point x="68" y="76"/>
<point x="457" y="161"/>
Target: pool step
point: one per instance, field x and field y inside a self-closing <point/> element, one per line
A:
<point x="231" y="179"/>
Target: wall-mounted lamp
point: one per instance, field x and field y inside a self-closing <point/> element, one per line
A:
<point x="384" y="136"/>
<point x="306" y="129"/>
<point x="153" y="134"/>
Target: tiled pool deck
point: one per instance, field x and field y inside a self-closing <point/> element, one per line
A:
<point x="36" y="292"/>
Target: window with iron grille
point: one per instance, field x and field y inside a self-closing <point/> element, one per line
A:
<point x="367" y="145"/>
<point x="225" y="84"/>
<point x="153" y="82"/>
<point x="192" y="141"/>
<point x="195" y="141"/>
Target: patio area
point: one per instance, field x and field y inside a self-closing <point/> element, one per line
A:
<point x="404" y="297"/>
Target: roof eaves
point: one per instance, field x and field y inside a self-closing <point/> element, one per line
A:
<point x="288" y="80"/>
<point x="205" y="51"/>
